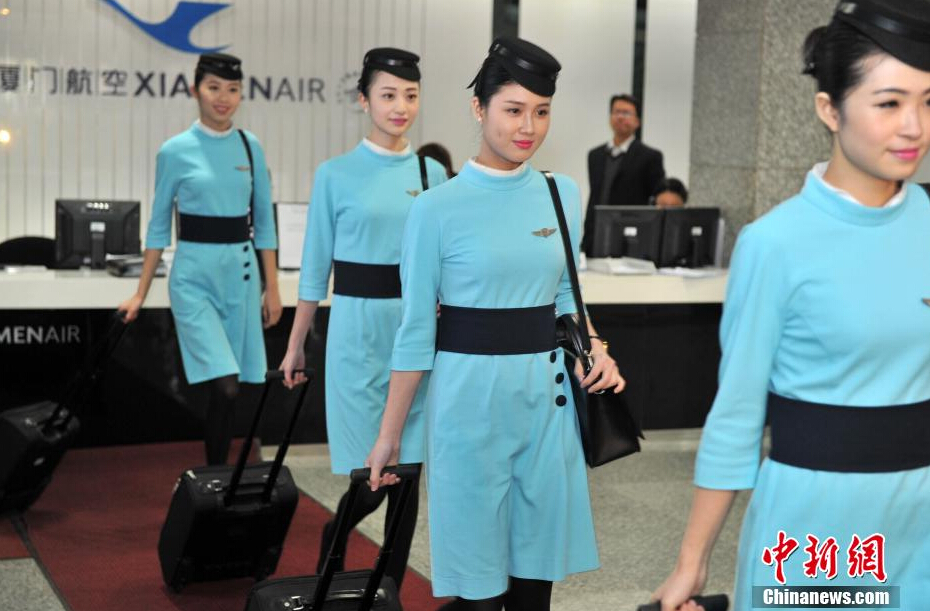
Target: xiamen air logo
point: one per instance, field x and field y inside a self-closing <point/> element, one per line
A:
<point x="175" y="31"/>
<point x="347" y="91"/>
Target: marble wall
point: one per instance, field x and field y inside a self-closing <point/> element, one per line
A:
<point x="754" y="131"/>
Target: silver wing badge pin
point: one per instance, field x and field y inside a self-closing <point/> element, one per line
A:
<point x="545" y="232"/>
<point x="413" y="192"/>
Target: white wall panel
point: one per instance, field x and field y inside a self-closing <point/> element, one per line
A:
<point x="457" y="36"/>
<point x="593" y="40"/>
<point x="79" y="145"/>
<point x="671" y="28"/>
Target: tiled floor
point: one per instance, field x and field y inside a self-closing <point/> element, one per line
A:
<point x="23" y="587"/>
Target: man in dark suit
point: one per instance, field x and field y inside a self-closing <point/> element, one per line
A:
<point x="624" y="172"/>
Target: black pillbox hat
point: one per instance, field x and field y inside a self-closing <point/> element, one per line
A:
<point x="398" y="62"/>
<point x="222" y="65"/>
<point x="900" y="27"/>
<point x="530" y="65"/>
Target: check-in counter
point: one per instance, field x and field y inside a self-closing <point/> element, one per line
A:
<point x="662" y="330"/>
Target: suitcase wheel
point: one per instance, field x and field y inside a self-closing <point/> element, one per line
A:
<point x="267" y="563"/>
<point x="182" y="576"/>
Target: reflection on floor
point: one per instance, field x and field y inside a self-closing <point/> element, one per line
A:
<point x="640" y="504"/>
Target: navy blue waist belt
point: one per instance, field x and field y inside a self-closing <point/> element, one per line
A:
<point x="496" y="331"/>
<point x="849" y="439"/>
<point x="366" y="280"/>
<point x="213" y="229"/>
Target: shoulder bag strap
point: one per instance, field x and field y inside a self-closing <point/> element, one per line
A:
<point x="261" y="264"/>
<point x="569" y="260"/>
<point x="248" y="151"/>
<point x="424" y="179"/>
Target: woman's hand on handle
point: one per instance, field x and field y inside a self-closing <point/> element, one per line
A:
<point x="384" y="453"/>
<point x="129" y="309"/>
<point x="676" y="592"/>
<point x="709" y="510"/>
<point x="294" y="359"/>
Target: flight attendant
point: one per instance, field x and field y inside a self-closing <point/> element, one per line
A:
<point x="354" y="226"/>
<point x="216" y="177"/>
<point x="509" y="510"/>
<point x="824" y="332"/>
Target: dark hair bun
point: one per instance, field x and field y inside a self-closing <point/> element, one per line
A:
<point x="811" y="47"/>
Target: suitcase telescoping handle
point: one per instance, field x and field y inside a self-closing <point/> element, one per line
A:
<point x="713" y="602"/>
<point x="286" y="441"/>
<point x="409" y="474"/>
<point x="270" y="377"/>
<point x="84" y="380"/>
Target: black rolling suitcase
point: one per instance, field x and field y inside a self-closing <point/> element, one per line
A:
<point x="711" y="602"/>
<point x="35" y="437"/>
<point x="226" y="522"/>
<point x="347" y="590"/>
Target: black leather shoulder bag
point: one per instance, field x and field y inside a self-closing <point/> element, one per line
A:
<point x="608" y="429"/>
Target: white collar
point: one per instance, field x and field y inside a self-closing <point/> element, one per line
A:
<point x="380" y="150"/>
<point x="616" y="149"/>
<point x="212" y="132"/>
<point x="820" y="169"/>
<point x="495" y="172"/>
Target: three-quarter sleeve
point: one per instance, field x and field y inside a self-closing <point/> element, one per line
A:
<point x="265" y="236"/>
<point x="319" y="239"/>
<point x="750" y="331"/>
<point x="571" y="204"/>
<point x="420" y="273"/>
<point x="166" y="188"/>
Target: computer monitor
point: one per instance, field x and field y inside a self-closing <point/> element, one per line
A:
<point x="291" y="223"/>
<point x="86" y="230"/>
<point x="627" y="231"/>
<point x="689" y="238"/>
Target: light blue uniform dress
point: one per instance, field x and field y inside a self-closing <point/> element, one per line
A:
<point x="357" y="212"/>
<point x="507" y="482"/>
<point x="215" y="289"/>
<point x="824" y="304"/>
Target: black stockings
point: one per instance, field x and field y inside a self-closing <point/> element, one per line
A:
<point x="219" y="419"/>
<point x="523" y="595"/>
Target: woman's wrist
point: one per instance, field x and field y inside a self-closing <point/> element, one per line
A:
<point x="690" y="562"/>
<point x="296" y="342"/>
<point x="389" y="437"/>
